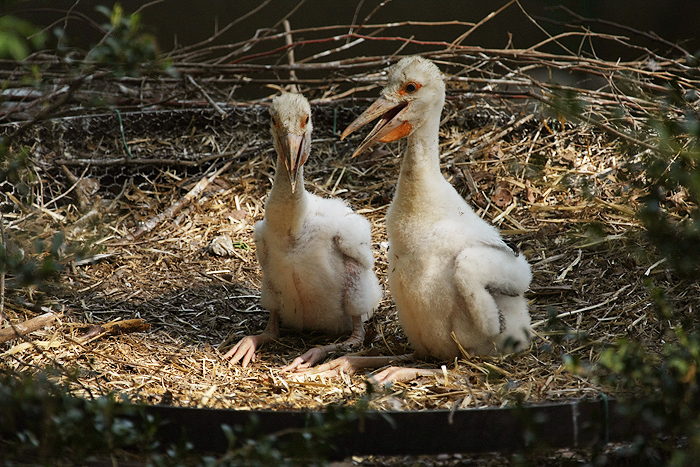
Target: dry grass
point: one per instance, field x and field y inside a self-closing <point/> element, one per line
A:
<point x="560" y="190"/>
<point x="557" y="189"/>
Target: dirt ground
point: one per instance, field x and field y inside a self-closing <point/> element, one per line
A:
<point x="558" y="190"/>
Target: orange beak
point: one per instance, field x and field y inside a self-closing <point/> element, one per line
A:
<point x="390" y="126"/>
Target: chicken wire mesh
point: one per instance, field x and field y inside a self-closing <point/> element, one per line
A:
<point x="107" y="150"/>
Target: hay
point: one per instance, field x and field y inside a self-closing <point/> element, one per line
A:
<point x="195" y="301"/>
<point x="559" y="190"/>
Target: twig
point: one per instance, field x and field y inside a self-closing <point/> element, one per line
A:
<point x="47" y="112"/>
<point x="290" y="54"/>
<point x="574" y="312"/>
<point x="2" y="272"/>
<point x="207" y="97"/>
<point x="223" y="30"/>
<point x="121" y="326"/>
<point x="172" y="211"/>
<point x="156" y="161"/>
<point x="653" y="37"/>
<point x="16" y="330"/>
<point x="83" y="202"/>
<point x="488" y="17"/>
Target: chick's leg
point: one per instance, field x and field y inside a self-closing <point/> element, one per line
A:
<point x="351" y="365"/>
<point x="393" y="374"/>
<point x="313" y="356"/>
<point x="244" y="350"/>
<point x="397" y="374"/>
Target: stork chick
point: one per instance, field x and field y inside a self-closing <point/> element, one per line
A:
<point x="315" y="253"/>
<point x="454" y="280"/>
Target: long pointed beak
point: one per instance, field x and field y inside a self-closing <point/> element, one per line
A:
<point x="293" y="156"/>
<point x="390" y="126"/>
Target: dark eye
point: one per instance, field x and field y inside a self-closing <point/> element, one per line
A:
<point x="411" y="87"/>
<point x="306" y="120"/>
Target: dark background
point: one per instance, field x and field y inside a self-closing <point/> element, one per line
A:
<point x="187" y="22"/>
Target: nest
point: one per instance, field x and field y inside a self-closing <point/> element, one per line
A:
<point x="558" y="188"/>
<point x="195" y="300"/>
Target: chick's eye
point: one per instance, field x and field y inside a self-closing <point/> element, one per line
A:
<point x="305" y="121"/>
<point x="275" y="122"/>
<point x="411" y="87"/>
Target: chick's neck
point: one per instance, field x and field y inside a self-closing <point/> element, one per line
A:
<point x="420" y="177"/>
<point x="284" y="209"/>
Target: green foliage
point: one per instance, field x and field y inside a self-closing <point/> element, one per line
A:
<point x="662" y="390"/>
<point x="15" y="170"/>
<point x="673" y="182"/>
<point x="655" y="388"/>
<point x="42" y="423"/>
<point x="18" y="38"/>
<point x="31" y="269"/>
<point x="126" y="49"/>
<point x="658" y="385"/>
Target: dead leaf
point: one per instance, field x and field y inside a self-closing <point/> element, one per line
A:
<point x="502" y="196"/>
<point x="568" y="156"/>
<point x="236" y="214"/>
<point x="494" y="152"/>
<point x="530" y="194"/>
<point x="483" y="175"/>
<point x="93" y="331"/>
<point x="222" y="246"/>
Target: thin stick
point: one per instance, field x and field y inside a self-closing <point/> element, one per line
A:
<point x="290" y="54"/>
<point x="174" y="209"/>
<point x="16" y="330"/>
<point x="146" y="161"/>
<point x="488" y="17"/>
<point x="566" y="314"/>
<point x="2" y="273"/>
<point x="206" y="96"/>
<point x="121" y="326"/>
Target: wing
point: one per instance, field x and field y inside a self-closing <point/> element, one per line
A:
<point x="471" y="281"/>
<point x="482" y="275"/>
<point x="269" y="296"/>
<point x="354" y="239"/>
<point x="352" y="233"/>
<point x="500" y="244"/>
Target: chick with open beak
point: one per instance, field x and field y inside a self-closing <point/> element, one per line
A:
<point x="457" y="285"/>
<point x="399" y="109"/>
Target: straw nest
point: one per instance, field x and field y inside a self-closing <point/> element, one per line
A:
<point x="553" y="188"/>
<point x="177" y="256"/>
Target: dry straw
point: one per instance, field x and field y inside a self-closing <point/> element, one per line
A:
<point x="555" y="185"/>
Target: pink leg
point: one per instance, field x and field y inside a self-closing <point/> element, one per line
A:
<point x="393" y="374"/>
<point x="351" y="365"/>
<point x="396" y="374"/>
<point x="313" y="356"/>
<point x="244" y="350"/>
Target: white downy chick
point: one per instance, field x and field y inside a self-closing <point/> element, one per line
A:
<point x="454" y="280"/>
<point x="315" y="253"/>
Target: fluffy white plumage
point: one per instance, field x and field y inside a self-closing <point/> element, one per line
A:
<point x="315" y="253"/>
<point x="450" y="272"/>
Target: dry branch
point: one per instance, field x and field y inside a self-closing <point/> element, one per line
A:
<point x="173" y="210"/>
<point x="122" y="326"/>
<point x="206" y="96"/>
<point x="34" y="324"/>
